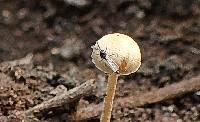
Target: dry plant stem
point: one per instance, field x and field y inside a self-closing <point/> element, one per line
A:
<point x="108" y="100"/>
<point x="155" y="96"/>
<point x="65" y="98"/>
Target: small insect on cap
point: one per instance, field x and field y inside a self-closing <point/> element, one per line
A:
<point x="121" y="54"/>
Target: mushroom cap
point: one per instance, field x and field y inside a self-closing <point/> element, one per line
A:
<point x="122" y="53"/>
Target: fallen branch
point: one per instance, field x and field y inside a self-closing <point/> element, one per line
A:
<point x="168" y="92"/>
<point x="62" y="99"/>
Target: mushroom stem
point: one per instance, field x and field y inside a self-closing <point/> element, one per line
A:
<point x="108" y="100"/>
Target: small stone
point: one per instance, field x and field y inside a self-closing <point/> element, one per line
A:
<point x="6" y="13"/>
<point x="171" y="108"/>
<point x="174" y="114"/>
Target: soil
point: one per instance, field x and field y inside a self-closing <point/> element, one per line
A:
<point x="59" y="34"/>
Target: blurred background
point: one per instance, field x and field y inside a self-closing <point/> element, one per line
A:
<point x="59" y="34"/>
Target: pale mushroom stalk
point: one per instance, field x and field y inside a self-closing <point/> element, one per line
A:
<point x="108" y="100"/>
<point x="115" y="54"/>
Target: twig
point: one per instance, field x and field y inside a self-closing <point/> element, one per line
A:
<point x="65" y="98"/>
<point x="168" y="92"/>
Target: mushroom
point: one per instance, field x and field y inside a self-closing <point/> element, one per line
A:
<point x="115" y="54"/>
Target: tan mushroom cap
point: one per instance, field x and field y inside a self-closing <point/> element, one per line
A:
<point x="122" y="49"/>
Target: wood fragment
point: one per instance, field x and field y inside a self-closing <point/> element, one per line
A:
<point x="65" y="98"/>
<point x="77" y="3"/>
<point x="23" y="61"/>
<point x="155" y="96"/>
<point x="4" y="66"/>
